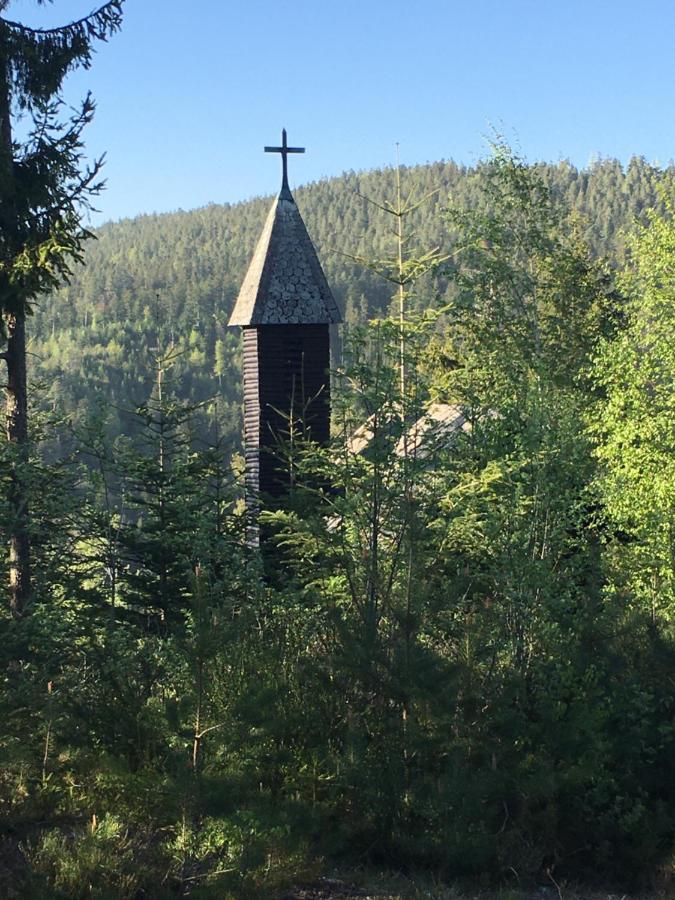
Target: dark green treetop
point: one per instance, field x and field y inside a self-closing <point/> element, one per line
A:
<point x="43" y="183"/>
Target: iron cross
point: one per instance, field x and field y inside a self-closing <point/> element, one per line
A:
<point x="284" y="150"/>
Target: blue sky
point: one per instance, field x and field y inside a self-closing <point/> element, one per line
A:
<point x="189" y="92"/>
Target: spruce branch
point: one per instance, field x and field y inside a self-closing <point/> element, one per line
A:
<point x="98" y="25"/>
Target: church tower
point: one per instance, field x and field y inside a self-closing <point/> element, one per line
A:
<point x="285" y="308"/>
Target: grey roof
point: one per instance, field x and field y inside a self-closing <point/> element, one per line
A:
<point x="436" y="428"/>
<point x="285" y="284"/>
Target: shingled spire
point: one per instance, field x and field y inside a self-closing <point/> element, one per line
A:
<point x="285" y="308"/>
<point x="285" y="284"/>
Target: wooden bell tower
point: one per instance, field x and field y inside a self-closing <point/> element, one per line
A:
<point x="285" y="308"/>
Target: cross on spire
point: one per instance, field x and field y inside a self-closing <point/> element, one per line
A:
<point x="284" y="150"/>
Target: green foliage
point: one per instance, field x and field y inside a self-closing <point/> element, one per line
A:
<point x="459" y="655"/>
<point x="99" y="860"/>
<point x="458" y="595"/>
<point x="635" y="423"/>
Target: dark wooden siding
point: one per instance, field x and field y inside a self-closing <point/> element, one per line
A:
<point x="251" y="411"/>
<point x="286" y="383"/>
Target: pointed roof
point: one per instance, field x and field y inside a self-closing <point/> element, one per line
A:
<point x="285" y="284"/>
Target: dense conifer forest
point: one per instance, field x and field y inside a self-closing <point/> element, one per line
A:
<point x="456" y="656"/>
<point x="173" y="278"/>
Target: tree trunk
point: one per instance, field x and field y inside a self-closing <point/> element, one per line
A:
<point x="15" y="357"/>
<point x="17" y="435"/>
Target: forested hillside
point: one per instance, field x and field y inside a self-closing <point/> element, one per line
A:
<point x="453" y="653"/>
<point x="174" y="277"/>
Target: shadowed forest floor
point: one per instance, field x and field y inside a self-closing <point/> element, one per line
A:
<point x="340" y="884"/>
<point x="384" y="886"/>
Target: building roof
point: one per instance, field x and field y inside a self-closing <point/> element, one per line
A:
<point x="285" y="284"/>
<point x="435" y="429"/>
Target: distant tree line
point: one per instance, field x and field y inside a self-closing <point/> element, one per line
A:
<point x="174" y="278"/>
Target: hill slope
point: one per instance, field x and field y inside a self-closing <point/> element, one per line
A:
<point x="158" y="278"/>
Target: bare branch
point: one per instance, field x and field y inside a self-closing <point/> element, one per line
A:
<point x="407" y="209"/>
<point x="205" y="731"/>
<point x="388" y="208"/>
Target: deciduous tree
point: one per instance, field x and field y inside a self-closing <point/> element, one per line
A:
<point x="636" y="423"/>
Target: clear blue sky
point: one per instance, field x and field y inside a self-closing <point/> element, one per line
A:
<point x="189" y="92"/>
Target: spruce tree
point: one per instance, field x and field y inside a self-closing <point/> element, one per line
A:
<point x="44" y="188"/>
